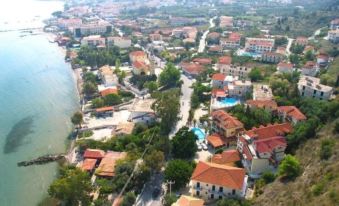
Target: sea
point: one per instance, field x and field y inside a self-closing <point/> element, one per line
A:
<point x="37" y="97"/>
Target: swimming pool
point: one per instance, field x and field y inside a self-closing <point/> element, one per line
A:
<point x="229" y="101"/>
<point x="198" y="132"/>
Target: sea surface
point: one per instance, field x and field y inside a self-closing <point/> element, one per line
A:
<point x="37" y="97"/>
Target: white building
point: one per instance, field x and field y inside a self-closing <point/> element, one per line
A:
<point x="259" y="45"/>
<point x="311" y="87"/>
<point x="212" y="181"/>
<point x="309" y="69"/>
<point x="121" y="42"/>
<point x="93" y="41"/>
<point x="97" y="27"/>
<point x="284" y="67"/>
<point x="333" y="36"/>
<point x="240" y="88"/>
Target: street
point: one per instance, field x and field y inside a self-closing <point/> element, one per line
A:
<point x="202" y="43"/>
<point x="146" y="196"/>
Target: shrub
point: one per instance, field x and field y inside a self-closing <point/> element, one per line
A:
<point x="290" y="167"/>
<point x="326" y="149"/>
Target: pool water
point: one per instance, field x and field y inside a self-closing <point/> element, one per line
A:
<point x="199" y="133"/>
<point x="229" y="101"/>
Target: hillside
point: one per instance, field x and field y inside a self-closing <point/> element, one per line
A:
<point x="319" y="182"/>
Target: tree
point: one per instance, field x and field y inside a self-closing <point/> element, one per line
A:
<point x="232" y="202"/>
<point x="89" y="77"/>
<point x="169" y="199"/>
<point x="89" y="88"/>
<point x="183" y="144"/>
<point x="155" y="160"/>
<point x="289" y="167"/>
<point x="98" y="102"/>
<point x="167" y="107"/>
<point x="336" y="128"/>
<point x="326" y="149"/>
<point x="77" y="118"/>
<point x="129" y="199"/>
<point x="117" y="64"/>
<point x="170" y="76"/>
<point x="178" y="171"/>
<point x="151" y="86"/>
<point x="112" y="99"/>
<point x="72" y="187"/>
<point x="309" y="56"/>
<point x="255" y="75"/>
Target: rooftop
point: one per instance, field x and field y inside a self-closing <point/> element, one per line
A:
<point x="262" y="103"/>
<point x="293" y="112"/>
<point x="185" y="200"/>
<point x="107" y="164"/>
<point x="226" y="157"/>
<point x="215" y="140"/>
<point x="226" y="119"/>
<point x="225" y="60"/>
<point x="264" y="132"/>
<point x="88" y="164"/>
<point x="94" y="154"/>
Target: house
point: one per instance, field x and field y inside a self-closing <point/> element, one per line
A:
<point x="284" y="67"/>
<point x="281" y="50"/>
<point x="107" y="164"/>
<point x="228" y="157"/>
<point x="216" y="141"/>
<point x="226" y="21"/>
<point x="309" y="69"/>
<point x="232" y="42"/>
<point x="262" y="92"/>
<point x="322" y="59"/>
<point x="108" y="91"/>
<point x="272" y="57"/>
<point x="140" y="56"/>
<point x="226" y="125"/>
<point x="93" y="41"/>
<point x="226" y="67"/>
<point x="311" y="87"/>
<point x="215" y="49"/>
<point x="218" y="80"/>
<point x="213" y="36"/>
<point x="291" y="114"/>
<point x="202" y="61"/>
<point x="185" y="200"/>
<point x="301" y="40"/>
<point x="88" y="165"/>
<point x="269" y="105"/>
<point x="334" y="25"/>
<point x="333" y="36"/>
<point x="141" y="68"/>
<point x="309" y="48"/>
<point x="240" y="88"/>
<point x="94" y="154"/>
<point x="259" y="45"/>
<point x="142" y="111"/>
<point x="215" y="181"/>
<point x="155" y="37"/>
<point x="192" y="69"/>
<point x="107" y="77"/>
<point x="121" y="42"/>
<point x="263" y="148"/>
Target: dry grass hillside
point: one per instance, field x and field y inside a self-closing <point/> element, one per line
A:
<point x="318" y="185"/>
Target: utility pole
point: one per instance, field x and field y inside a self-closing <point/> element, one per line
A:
<point x="170" y="183"/>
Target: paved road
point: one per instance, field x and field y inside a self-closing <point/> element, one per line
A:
<point x="145" y="198"/>
<point x="289" y="44"/>
<point x="202" y="43"/>
<point x="185" y="103"/>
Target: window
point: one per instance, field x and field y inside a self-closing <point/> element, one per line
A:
<point x="198" y="193"/>
<point x="322" y="94"/>
<point x="303" y="87"/>
<point x="233" y="192"/>
<point x="213" y="188"/>
<point x="221" y="189"/>
<point x="212" y="196"/>
<point x="314" y="91"/>
<point x="220" y="197"/>
<point x="302" y="94"/>
<point x="198" y="184"/>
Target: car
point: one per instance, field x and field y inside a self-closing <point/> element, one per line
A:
<point x="199" y="147"/>
<point x="204" y="146"/>
<point x="156" y="192"/>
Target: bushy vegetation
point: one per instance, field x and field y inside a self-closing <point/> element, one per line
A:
<point x="183" y="144"/>
<point x="179" y="171"/>
<point x="290" y="167"/>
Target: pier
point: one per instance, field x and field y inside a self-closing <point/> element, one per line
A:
<point x="41" y="160"/>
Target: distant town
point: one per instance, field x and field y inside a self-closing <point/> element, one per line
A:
<point x="194" y="102"/>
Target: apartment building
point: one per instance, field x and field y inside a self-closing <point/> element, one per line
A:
<point x="311" y="87"/>
<point x="259" y="45"/>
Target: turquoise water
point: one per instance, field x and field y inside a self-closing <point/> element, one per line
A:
<point x="38" y="95"/>
<point x="229" y="101"/>
<point x="198" y="132"/>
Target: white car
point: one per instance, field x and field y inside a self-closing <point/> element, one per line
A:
<point x="199" y="147"/>
<point x="204" y="146"/>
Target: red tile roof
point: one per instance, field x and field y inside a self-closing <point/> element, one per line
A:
<point x="139" y="65"/>
<point x="218" y="77"/>
<point x="301" y="40"/>
<point x="226" y="157"/>
<point x="107" y="164"/>
<point x="261" y="42"/>
<point x="215" y="48"/>
<point x="310" y="65"/>
<point x="108" y="91"/>
<point x="94" y="154"/>
<point x="203" y="61"/>
<point x="88" y="164"/>
<point x="216" y="174"/>
<point x="269" y="131"/>
<point x="137" y="53"/>
<point x="218" y="93"/>
<point x="104" y="109"/>
<point x="192" y="68"/>
<point x="226" y="120"/>
<point x="293" y="112"/>
<point x="285" y="65"/>
<point x="247" y="153"/>
<point x="215" y="140"/>
<point x="268" y="145"/>
<point x="225" y="60"/>
<point x="234" y="36"/>
<point x="263" y="104"/>
<point x="213" y="35"/>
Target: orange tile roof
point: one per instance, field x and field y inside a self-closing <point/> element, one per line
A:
<point x="108" y="91"/>
<point x="310" y="65"/>
<point x="263" y="103"/>
<point x="218" y="77"/>
<point x="293" y="112"/>
<point x="234" y="36"/>
<point x="270" y="131"/>
<point x="94" y="154"/>
<point x="226" y="157"/>
<point x="215" y="140"/>
<point x="285" y="65"/>
<point x="213" y="35"/>
<point x="203" y="61"/>
<point x="88" y="164"/>
<point x="218" y="93"/>
<point x="188" y="201"/>
<point x="137" y="53"/>
<point x="268" y="145"/>
<point x="192" y="68"/>
<point x="105" y="109"/>
<point x="225" y="60"/>
<point x="140" y="65"/>
<point x="107" y="164"/>
<point x="226" y="119"/>
<point x="223" y="175"/>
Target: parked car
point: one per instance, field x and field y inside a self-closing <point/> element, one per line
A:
<point x="204" y="146"/>
<point x="199" y="147"/>
<point x="156" y="192"/>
